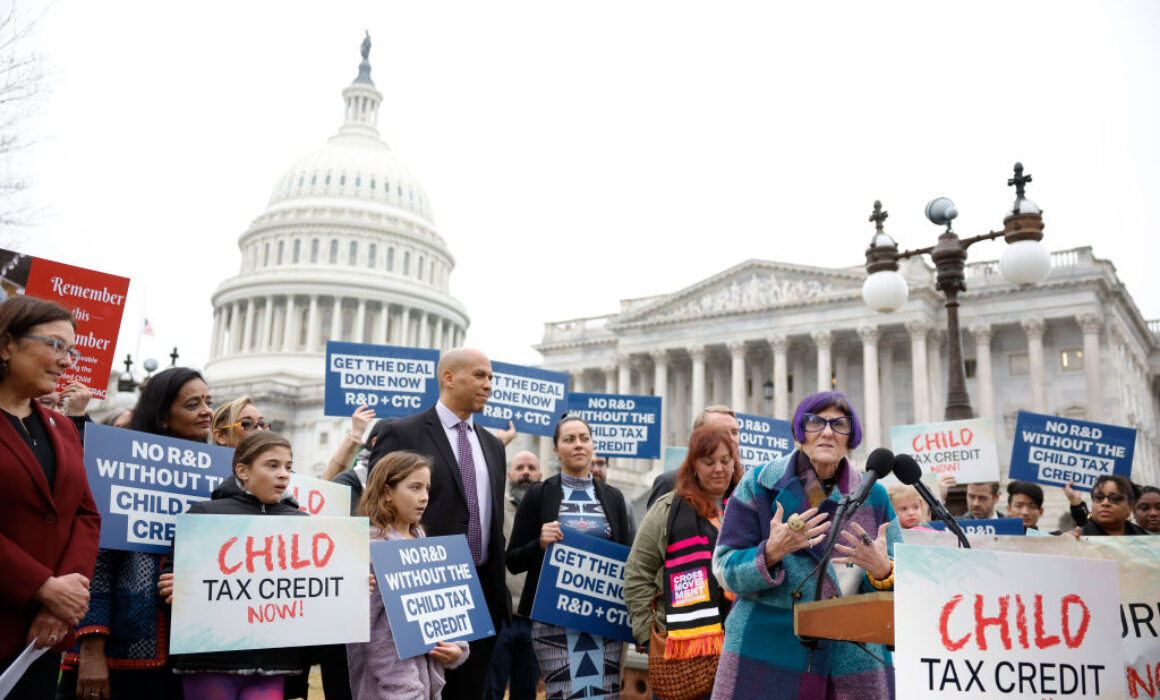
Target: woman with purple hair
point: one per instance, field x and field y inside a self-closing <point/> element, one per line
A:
<point x="772" y="537"/>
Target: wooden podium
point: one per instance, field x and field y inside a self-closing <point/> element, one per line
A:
<point x="868" y="617"/>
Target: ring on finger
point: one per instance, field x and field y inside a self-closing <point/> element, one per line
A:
<point x="795" y="523"/>
<point x="866" y="540"/>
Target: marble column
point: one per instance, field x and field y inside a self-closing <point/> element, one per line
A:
<point x="624" y="374"/>
<point x="398" y="326"/>
<point x="215" y="339"/>
<point x="985" y="381"/>
<point x="291" y="328"/>
<point x="267" y="325"/>
<point x="841" y="360"/>
<point x="235" y="326"/>
<point x="935" y="364"/>
<point x="360" y="321"/>
<point x="576" y="381"/>
<point x="737" y="375"/>
<point x="824" y="340"/>
<point x="610" y="379"/>
<point x="697" y="355"/>
<point x="799" y="378"/>
<point x="886" y="384"/>
<point x="313" y="325"/>
<point x="918" y="330"/>
<point x="248" y="326"/>
<point x="1034" y="328"/>
<point x="871" y="400"/>
<point x="757" y="372"/>
<point x="279" y="327"/>
<point x="382" y="323"/>
<point x="780" y="344"/>
<point x="1091" y="324"/>
<point x="661" y="389"/>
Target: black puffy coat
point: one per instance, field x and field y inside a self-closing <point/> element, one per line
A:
<point x="230" y="499"/>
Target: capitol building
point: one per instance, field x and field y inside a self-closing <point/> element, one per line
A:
<point x="763" y="334"/>
<point x="347" y="249"/>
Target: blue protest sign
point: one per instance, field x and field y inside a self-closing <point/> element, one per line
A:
<point x="622" y="426"/>
<point x="582" y="587"/>
<point x="142" y="482"/>
<point x="1053" y="450"/>
<point x="392" y="380"/>
<point x="529" y="397"/>
<point x="430" y="592"/>
<point x="763" y="439"/>
<point x="991" y="526"/>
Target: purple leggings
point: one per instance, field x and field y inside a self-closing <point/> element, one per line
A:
<point x="232" y="686"/>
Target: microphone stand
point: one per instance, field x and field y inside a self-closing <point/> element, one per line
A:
<point x="940" y="511"/>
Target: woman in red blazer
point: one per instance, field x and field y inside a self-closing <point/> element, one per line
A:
<point x="49" y="525"/>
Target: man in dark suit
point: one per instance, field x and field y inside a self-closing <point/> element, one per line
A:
<point x="467" y="486"/>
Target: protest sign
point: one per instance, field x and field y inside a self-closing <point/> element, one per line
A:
<point x="763" y="439"/>
<point x="431" y="593"/>
<point x="965" y="449"/>
<point x="394" y="381"/>
<point x="96" y="300"/>
<point x="319" y="496"/>
<point x="674" y="457"/>
<point x="1138" y="559"/>
<point x="261" y="582"/>
<point x="990" y="526"/>
<point x="1054" y="451"/>
<point x="622" y="425"/>
<point x="142" y="482"/>
<point x="582" y="587"/>
<point x="531" y="398"/>
<point x="974" y="623"/>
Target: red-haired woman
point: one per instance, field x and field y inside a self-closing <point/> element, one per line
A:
<point x="675" y="544"/>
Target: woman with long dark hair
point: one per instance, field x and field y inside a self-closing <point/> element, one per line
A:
<point x="49" y="525"/>
<point x="571" y="500"/>
<point x="124" y="640"/>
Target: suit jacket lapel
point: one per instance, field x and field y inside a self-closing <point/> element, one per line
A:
<point x="439" y="436"/>
<point x="56" y="437"/>
<point x="14" y="443"/>
<point x="607" y="497"/>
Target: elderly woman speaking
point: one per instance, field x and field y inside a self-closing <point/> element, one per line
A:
<point x="772" y="537"/>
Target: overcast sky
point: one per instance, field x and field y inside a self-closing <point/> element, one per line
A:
<point x="579" y="153"/>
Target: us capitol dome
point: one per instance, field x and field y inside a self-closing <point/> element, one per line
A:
<point x="347" y="249"/>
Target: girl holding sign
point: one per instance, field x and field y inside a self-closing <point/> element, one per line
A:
<point x="262" y="466"/>
<point x="394" y="501"/>
<point x="570" y="500"/>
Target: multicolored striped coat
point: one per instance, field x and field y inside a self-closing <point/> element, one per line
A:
<point x="762" y="657"/>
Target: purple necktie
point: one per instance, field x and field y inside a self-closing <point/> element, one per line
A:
<point x="467" y="471"/>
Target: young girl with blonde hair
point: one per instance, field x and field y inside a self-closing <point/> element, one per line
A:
<point x="394" y="500"/>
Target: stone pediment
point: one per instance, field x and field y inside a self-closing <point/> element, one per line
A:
<point x="753" y="285"/>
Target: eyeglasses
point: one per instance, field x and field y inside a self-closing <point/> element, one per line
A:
<point x="248" y="425"/>
<point x="1113" y="498"/>
<point x="59" y="348"/>
<point x="813" y="423"/>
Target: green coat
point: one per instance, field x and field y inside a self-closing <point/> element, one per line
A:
<point x="645" y="569"/>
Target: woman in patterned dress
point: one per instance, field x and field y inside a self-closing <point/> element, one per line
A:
<point x="573" y="663"/>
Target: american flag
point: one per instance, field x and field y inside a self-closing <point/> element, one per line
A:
<point x="148" y="330"/>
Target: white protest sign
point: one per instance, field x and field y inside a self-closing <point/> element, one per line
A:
<point x="319" y="496"/>
<point x="261" y="581"/>
<point x="972" y="623"/>
<point x="964" y="449"/>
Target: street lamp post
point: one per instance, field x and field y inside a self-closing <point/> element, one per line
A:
<point x="1024" y="262"/>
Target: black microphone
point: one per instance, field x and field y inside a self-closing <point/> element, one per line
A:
<point x="878" y="465"/>
<point x="909" y="473"/>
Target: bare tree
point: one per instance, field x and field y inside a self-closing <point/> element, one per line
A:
<point x="22" y="81"/>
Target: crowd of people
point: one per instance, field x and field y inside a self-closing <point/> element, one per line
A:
<point x="714" y="570"/>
